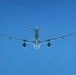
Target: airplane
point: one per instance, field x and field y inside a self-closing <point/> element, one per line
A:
<point x="36" y="39"/>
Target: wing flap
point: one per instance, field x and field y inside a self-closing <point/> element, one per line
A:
<point x="61" y="37"/>
<point x="14" y="38"/>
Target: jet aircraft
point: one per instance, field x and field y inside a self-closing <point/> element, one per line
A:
<point x="36" y="39"/>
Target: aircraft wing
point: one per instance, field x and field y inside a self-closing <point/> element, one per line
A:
<point x="14" y="38"/>
<point x="61" y="37"/>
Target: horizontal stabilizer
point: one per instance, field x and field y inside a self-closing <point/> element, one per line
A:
<point x="29" y="29"/>
<point x="43" y="29"/>
<point x="40" y="29"/>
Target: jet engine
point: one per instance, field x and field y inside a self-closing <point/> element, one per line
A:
<point x="49" y="44"/>
<point x="24" y="44"/>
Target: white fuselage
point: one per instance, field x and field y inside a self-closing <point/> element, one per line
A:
<point x="36" y="39"/>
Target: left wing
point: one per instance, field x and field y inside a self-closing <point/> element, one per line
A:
<point x="61" y="37"/>
<point x="14" y="38"/>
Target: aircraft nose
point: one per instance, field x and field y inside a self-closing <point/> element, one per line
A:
<point x="36" y="47"/>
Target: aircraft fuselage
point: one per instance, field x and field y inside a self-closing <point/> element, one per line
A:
<point x="36" y="39"/>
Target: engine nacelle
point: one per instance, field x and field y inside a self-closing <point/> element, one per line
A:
<point x="24" y="44"/>
<point x="49" y="44"/>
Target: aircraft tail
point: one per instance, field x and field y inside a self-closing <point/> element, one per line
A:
<point x="32" y="29"/>
<point x="43" y="29"/>
<point x="29" y="29"/>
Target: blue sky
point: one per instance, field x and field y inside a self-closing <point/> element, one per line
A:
<point x="59" y="16"/>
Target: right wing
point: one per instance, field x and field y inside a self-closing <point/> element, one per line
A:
<point x="61" y="37"/>
<point x="14" y="38"/>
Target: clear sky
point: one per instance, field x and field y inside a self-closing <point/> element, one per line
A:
<point x="59" y="16"/>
